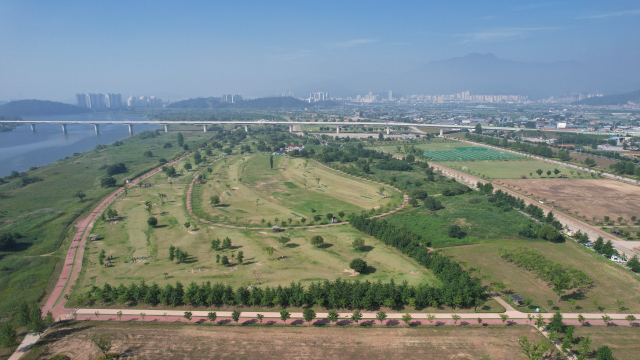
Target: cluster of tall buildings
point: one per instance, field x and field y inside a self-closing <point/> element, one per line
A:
<point x="318" y="96"/>
<point x="99" y="101"/>
<point x="228" y="98"/>
<point x="144" y="102"/>
<point x="466" y="97"/>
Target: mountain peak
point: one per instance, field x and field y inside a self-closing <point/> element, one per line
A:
<point x="478" y="56"/>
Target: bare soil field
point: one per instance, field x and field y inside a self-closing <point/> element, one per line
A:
<point x="180" y="341"/>
<point x="590" y="197"/>
<point x="601" y="163"/>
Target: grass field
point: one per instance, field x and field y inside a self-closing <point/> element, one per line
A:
<point x="481" y="221"/>
<point x="623" y="340"/>
<point x="611" y="283"/>
<point x="44" y="211"/>
<point x="251" y="191"/>
<point x="298" y="261"/>
<point x="512" y="169"/>
<point x="182" y="341"/>
<point x="427" y="145"/>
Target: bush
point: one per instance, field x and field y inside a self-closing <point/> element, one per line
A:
<point x="147" y="153"/>
<point x="550" y="233"/>
<point x="419" y="194"/>
<point x="108" y="182"/>
<point x="358" y="265"/>
<point x="455" y="231"/>
<point x="432" y="204"/>
<point x="162" y="161"/>
<point x="7" y="241"/>
<point x="167" y="145"/>
<point x="358" y="243"/>
<point x="152" y="221"/>
<point x="317" y="240"/>
<point x="116" y="169"/>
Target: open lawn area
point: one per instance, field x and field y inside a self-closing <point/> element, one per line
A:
<point x="426" y="145"/>
<point x="611" y="282"/>
<point x="253" y="193"/>
<point x="480" y="221"/>
<point x="128" y="236"/>
<point x="512" y="169"/>
<point x="183" y="341"/>
<point x="623" y="340"/>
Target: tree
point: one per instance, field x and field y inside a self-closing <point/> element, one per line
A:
<point x="356" y="316"/>
<point x="584" y="347"/>
<point x="215" y="244"/>
<point x="329" y="216"/>
<point x="80" y="195"/>
<point x="548" y="172"/>
<point x="224" y="260"/>
<point x="358" y="243"/>
<point x="212" y="316"/>
<point x="333" y="316"/>
<point x="172" y="252"/>
<point x="180" y="139"/>
<point x="260" y="317"/>
<point x="533" y="351"/>
<point x="358" y="265"/>
<point x="36" y="323"/>
<point x="284" y="315"/>
<point x="149" y="206"/>
<point x="103" y="343"/>
<point x="556" y="171"/>
<point x="240" y="257"/>
<point x="317" y="240"/>
<point x="406" y="318"/>
<point x="539" y="172"/>
<point x="147" y="153"/>
<point x="108" y="181"/>
<point x="142" y="315"/>
<point x="581" y="318"/>
<point x="630" y="318"/>
<point x="270" y="251"/>
<point x="152" y="221"/>
<point x="214" y="200"/>
<point x="431" y="317"/>
<point x="235" y="315"/>
<point x="167" y="145"/>
<point x="504" y="317"/>
<point x="604" y="353"/>
<point x="271" y="161"/>
<point x="7" y="241"/>
<point x="381" y="316"/>
<point x="455" y="318"/>
<point x="284" y="240"/>
<point x="187" y="166"/>
<point x="309" y="315"/>
<point x="413" y="202"/>
<point x="24" y="314"/>
<point x="455" y="231"/>
<point x="478" y="129"/>
<point x="119" y="315"/>
<point x="8" y="334"/>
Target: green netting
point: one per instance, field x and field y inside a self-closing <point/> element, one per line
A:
<point x="469" y="154"/>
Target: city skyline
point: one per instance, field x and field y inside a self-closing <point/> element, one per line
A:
<point x="256" y="49"/>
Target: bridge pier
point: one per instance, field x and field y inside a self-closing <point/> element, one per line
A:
<point x="441" y="132"/>
<point x="290" y="128"/>
<point x="204" y="127"/>
<point x="388" y="130"/>
<point x="130" y="129"/>
<point x="246" y="128"/>
<point x="97" y="126"/>
<point x="166" y="128"/>
<point x="337" y="129"/>
<point x="33" y="127"/>
<point x="64" y="128"/>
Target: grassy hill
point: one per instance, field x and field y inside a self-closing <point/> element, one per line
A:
<point x="39" y="107"/>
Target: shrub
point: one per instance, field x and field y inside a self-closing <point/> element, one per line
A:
<point x="108" y="182"/>
<point x="317" y="240"/>
<point x="455" y="231"/>
<point x="432" y="204"/>
<point x="152" y="221"/>
<point x="114" y="169"/>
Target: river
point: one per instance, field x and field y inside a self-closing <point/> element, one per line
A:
<point x="21" y="148"/>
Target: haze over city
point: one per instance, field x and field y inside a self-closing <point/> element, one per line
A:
<point x="182" y="50"/>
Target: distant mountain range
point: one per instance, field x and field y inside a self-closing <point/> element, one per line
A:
<point x="285" y="102"/>
<point x="39" y="107"/>
<point x="619" y="99"/>
<point x="483" y="74"/>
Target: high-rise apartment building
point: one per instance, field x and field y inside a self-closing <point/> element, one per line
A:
<point x="99" y="101"/>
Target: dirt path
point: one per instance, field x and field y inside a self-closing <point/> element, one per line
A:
<point x="190" y="208"/>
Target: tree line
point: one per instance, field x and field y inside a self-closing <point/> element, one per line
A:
<point x="457" y="286"/>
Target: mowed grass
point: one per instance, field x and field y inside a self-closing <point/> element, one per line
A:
<point x="297" y="261"/>
<point x="45" y="212"/>
<point x="251" y="191"/>
<point x="481" y="221"/>
<point x="611" y="282"/>
<point x="623" y="340"/>
<point x="511" y="169"/>
<point x="200" y="341"/>
<point x="426" y="145"/>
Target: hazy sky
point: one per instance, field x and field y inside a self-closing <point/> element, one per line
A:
<point x="54" y="49"/>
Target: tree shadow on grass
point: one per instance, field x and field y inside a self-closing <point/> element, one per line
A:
<point x="161" y="226"/>
<point x="325" y="246"/>
<point x="222" y="205"/>
<point x="190" y="260"/>
<point x="369" y="270"/>
<point x="292" y="246"/>
<point x="366" y="248"/>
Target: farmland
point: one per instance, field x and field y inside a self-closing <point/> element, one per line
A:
<point x="512" y="169"/>
<point x="591" y="198"/>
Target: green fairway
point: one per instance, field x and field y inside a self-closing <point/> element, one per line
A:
<point x="513" y="169"/>
<point x="611" y="282"/>
<point x="480" y="221"/>
<point x="251" y="191"/>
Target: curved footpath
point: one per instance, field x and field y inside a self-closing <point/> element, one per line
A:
<point x="73" y="264"/>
